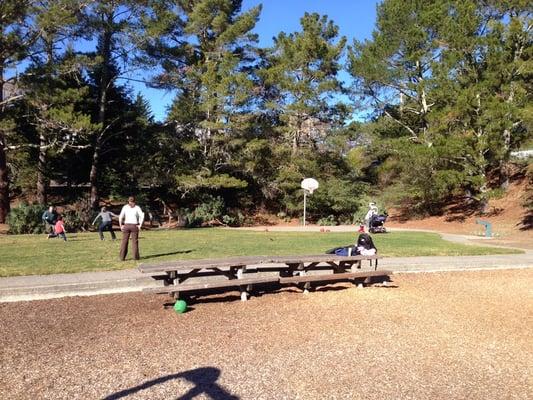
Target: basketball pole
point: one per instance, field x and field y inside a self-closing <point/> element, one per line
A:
<point x="305" y="201"/>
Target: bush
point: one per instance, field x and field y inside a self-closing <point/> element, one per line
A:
<point x="78" y="217"/>
<point x="233" y="219"/>
<point x="26" y="218"/>
<point x="328" y="221"/>
<point x="207" y="213"/>
<point x="283" y="216"/>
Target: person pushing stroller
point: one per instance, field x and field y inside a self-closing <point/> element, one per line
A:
<point x="374" y="221"/>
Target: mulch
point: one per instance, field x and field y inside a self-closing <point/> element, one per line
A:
<point x="427" y="336"/>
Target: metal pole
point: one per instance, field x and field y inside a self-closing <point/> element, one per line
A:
<point x="305" y="201"/>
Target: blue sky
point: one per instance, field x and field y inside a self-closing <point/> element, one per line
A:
<point x="355" y="19"/>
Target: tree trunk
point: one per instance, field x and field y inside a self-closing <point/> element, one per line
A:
<point x="41" y="172"/>
<point x="102" y="104"/>
<point x="4" y="183"/>
<point x="4" y="173"/>
<point x="296" y="136"/>
<point x="93" y="175"/>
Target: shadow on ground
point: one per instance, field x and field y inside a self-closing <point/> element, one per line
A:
<point x="218" y="295"/>
<point x="203" y="379"/>
<point x="527" y="222"/>
<point x="166" y="254"/>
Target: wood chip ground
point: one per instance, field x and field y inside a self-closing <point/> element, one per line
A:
<point x="460" y="335"/>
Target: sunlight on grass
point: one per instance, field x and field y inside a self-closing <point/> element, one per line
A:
<point x="34" y="254"/>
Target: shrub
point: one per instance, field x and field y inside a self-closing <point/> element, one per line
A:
<point x="26" y="218"/>
<point x="283" y="216"/>
<point x="208" y="212"/>
<point x="233" y="219"/>
<point x="78" y="217"/>
<point x="327" y="221"/>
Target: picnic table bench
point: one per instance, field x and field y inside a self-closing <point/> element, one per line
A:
<point x="246" y="271"/>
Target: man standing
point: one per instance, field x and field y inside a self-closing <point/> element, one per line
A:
<point x="49" y="218"/>
<point x="130" y="220"/>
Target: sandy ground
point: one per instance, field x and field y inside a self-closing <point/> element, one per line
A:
<point x="461" y="335"/>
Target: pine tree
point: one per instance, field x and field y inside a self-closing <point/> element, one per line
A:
<point x="15" y="39"/>
<point x="303" y="68"/>
<point x="113" y="23"/>
<point x="453" y="77"/>
<point x="53" y="86"/>
<point x="207" y="53"/>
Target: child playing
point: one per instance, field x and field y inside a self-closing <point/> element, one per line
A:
<point x="59" y="229"/>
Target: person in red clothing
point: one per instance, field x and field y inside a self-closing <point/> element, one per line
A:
<point x="59" y="229"/>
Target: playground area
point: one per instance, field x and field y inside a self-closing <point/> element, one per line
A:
<point x="425" y="336"/>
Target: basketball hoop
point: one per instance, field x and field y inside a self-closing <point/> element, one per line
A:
<point x="309" y="185"/>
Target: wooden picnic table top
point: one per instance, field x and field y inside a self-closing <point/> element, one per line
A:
<point x="212" y="263"/>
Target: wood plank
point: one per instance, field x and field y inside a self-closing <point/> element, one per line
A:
<point x="247" y="260"/>
<point x="318" y="258"/>
<point x="212" y="285"/>
<point x="200" y="264"/>
<point x="333" y="277"/>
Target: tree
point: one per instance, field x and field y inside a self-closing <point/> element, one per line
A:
<point x="207" y="54"/>
<point x="112" y="22"/>
<point x="14" y="42"/>
<point x="452" y="75"/>
<point x="52" y="86"/>
<point x="303" y="68"/>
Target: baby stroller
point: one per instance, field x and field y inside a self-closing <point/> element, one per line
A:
<point x="376" y="224"/>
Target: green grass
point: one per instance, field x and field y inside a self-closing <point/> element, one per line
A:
<point x="34" y="254"/>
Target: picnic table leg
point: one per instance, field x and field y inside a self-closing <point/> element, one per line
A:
<point x="243" y="289"/>
<point x="170" y="279"/>
<point x="354" y="266"/>
<point x="303" y="272"/>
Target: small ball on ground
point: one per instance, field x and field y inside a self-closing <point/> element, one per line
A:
<point x="180" y="306"/>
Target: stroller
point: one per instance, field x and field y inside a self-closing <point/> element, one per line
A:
<point x="376" y="224"/>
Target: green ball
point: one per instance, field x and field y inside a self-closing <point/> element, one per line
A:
<point x="180" y="307"/>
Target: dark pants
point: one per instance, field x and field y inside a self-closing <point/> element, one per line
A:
<point x="61" y="235"/>
<point x="106" y="226"/>
<point x="48" y="228"/>
<point x="127" y="230"/>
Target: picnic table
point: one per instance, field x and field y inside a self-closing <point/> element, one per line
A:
<point x="246" y="271"/>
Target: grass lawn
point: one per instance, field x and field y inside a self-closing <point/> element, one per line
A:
<point x="34" y="254"/>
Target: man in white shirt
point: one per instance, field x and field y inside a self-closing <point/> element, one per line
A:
<point x="130" y="220"/>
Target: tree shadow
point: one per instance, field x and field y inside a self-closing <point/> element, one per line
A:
<point x="204" y="380"/>
<point x="527" y="222"/>
<point x="166" y="254"/>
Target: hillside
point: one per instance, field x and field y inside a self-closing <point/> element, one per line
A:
<point x="511" y="223"/>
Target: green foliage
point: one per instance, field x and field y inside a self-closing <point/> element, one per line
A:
<point x="447" y="85"/>
<point x="450" y="85"/>
<point x="339" y="197"/>
<point x="209" y="212"/>
<point x="303" y="68"/>
<point x="327" y="221"/>
<point x="188" y="183"/>
<point x="78" y="217"/>
<point x="234" y="219"/>
<point x="26" y="218"/>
